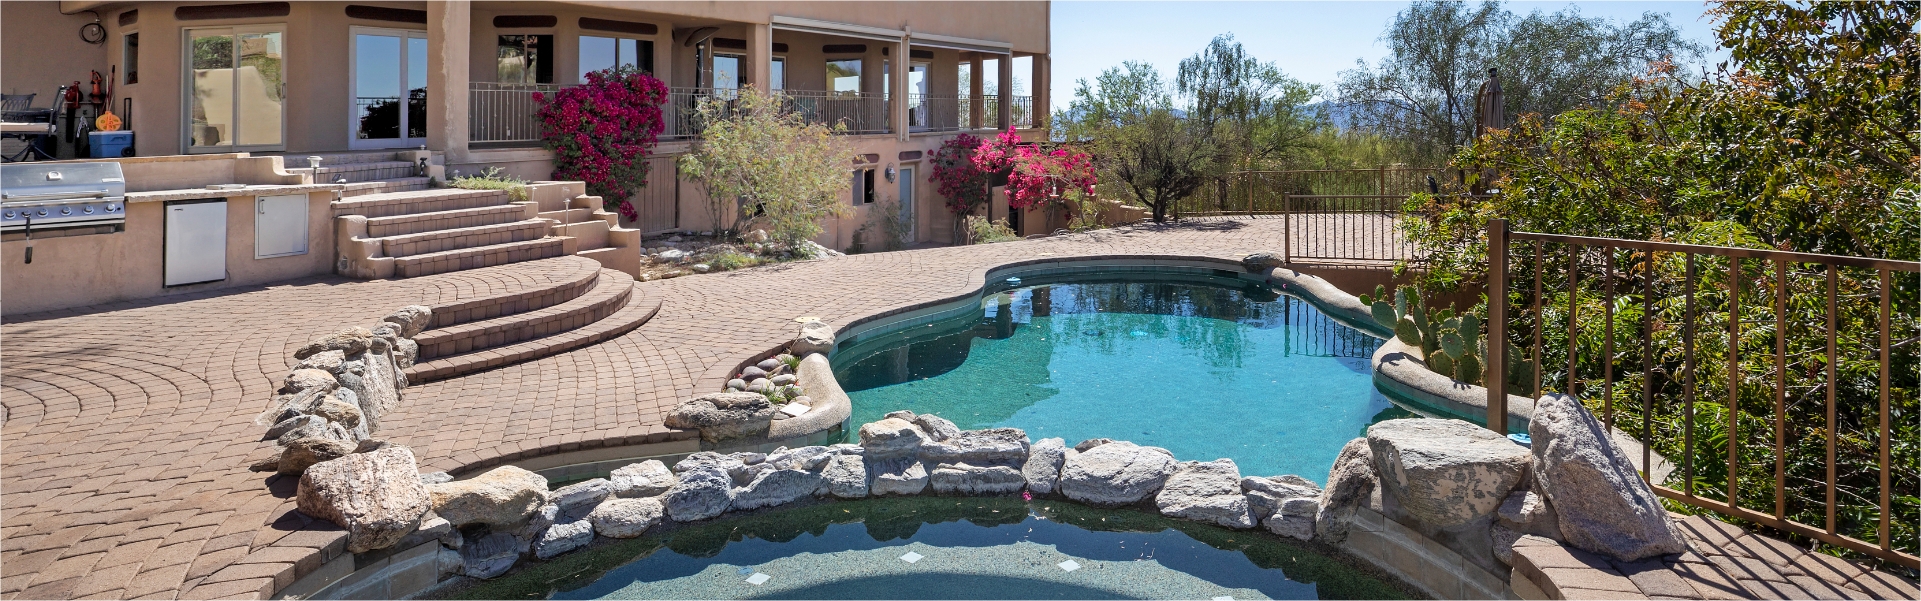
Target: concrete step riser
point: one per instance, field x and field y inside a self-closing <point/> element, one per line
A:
<point x="592" y="234"/>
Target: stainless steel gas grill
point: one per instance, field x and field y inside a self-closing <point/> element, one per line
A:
<point x="62" y="195"/>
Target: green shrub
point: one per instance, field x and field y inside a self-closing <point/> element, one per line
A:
<point x="492" y="179"/>
<point x="981" y="231"/>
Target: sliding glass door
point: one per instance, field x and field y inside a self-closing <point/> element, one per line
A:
<point x="236" y="89"/>
<point x="389" y="88"/>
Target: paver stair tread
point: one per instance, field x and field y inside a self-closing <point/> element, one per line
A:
<point x="479" y="256"/>
<point x="640" y="307"/>
<point x="406" y="245"/>
<point x="569" y="216"/>
<point x="399" y="225"/>
<point x="356" y="190"/>
<point x="387" y="204"/>
<point x="569" y="282"/>
<point x="609" y="292"/>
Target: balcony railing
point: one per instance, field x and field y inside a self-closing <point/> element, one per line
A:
<point x="508" y="113"/>
<point x="505" y="112"/>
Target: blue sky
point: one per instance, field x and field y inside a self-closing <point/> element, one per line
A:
<point x="1311" y="41"/>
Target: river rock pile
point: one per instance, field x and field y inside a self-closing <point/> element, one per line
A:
<point x="331" y="403"/>
<point x="774" y="378"/>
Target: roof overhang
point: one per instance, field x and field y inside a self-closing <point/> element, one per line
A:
<point x="889" y="35"/>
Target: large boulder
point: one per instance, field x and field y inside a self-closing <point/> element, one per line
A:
<point x="815" y="337"/>
<point x="406" y="352"/>
<point x="304" y="453"/>
<point x="581" y="497"/>
<point x="626" y="518"/>
<point x="502" y="496"/>
<point x="1042" y="470"/>
<point x="562" y="537"/>
<point x="339" y="411"/>
<point x="1598" y="496"/>
<point x="776" y="486"/>
<point x="896" y="476"/>
<point x="315" y="427"/>
<point x="724" y="415"/>
<point x="1349" y="485"/>
<point x="845" y="476"/>
<point x="486" y="554"/>
<point x="1445" y="473"/>
<point x="308" y="379"/>
<point x="1263" y="261"/>
<point x="1206" y="491"/>
<point x="327" y="361"/>
<point x="936" y="427"/>
<point x="374" y="380"/>
<point x="803" y="458"/>
<point x="1295" y="518"/>
<point x="645" y="479"/>
<point x="701" y="492"/>
<point x="1528" y="512"/>
<point x="1265" y="496"/>
<point x="377" y="497"/>
<point x="992" y="446"/>
<point x="350" y="341"/>
<point x="411" y="319"/>
<point x="1114" y="474"/>
<point x="891" y="437"/>
<point x="966" y="479"/>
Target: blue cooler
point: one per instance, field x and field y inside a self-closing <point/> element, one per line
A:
<point x="110" y="144"/>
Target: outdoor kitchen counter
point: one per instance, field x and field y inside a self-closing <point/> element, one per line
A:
<point x="259" y="190"/>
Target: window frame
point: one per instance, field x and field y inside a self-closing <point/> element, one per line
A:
<point x="186" y="87"/>
<point x="354" y="141"/>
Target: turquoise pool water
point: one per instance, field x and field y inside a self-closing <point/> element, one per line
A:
<point x="991" y="548"/>
<point x="1203" y="365"/>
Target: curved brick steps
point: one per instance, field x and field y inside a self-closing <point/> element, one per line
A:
<point x="571" y="277"/>
<point x="609" y="292"/>
<point x="639" y="307"/>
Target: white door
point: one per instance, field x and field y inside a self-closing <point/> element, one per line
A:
<point x="907" y="203"/>
<point x="196" y="244"/>
<point x="236" y="89"/>
<point x="280" y="226"/>
<point x="388" y="83"/>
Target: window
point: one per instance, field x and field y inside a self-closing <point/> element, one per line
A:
<point x="863" y="190"/>
<point x="777" y="77"/>
<point x="526" y="58"/>
<point x="727" y="73"/>
<point x="235" y="87"/>
<point x="599" y="53"/>
<point x="844" y="75"/>
<point x="130" y="56"/>
<point x="916" y="95"/>
<point x="907" y="201"/>
<point x="389" y="87"/>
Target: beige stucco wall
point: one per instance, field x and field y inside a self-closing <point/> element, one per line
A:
<point x="77" y="271"/>
<point x="43" y="49"/>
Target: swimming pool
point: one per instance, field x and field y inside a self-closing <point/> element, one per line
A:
<point x="943" y="548"/>
<point x="1201" y="363"/>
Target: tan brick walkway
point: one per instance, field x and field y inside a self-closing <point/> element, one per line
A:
<point x="128" y="427"/>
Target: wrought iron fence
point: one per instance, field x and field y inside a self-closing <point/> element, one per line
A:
<point x="938" y="112"/>
<point x="505" y="112"/>
<point x="1695" y="303"/>
<point x="1021" y="111"/>
<point x="858" y="113"/>
<point x="1331" y="214"/>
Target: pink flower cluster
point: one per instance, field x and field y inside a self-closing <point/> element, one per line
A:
<point x="600" y="132"/>
<point x="964" y="166"/>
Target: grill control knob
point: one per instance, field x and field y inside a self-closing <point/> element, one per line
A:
<point x="43" y="212"/>
<point x="87" y="210"/>
<point x="112" y="207"/>
<point x="9" y="215"/>
<point x="66" y="211"/>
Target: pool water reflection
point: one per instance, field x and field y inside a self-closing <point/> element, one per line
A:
<point x="1204" y="366"/>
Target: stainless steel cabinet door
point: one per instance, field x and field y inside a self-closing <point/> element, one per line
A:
<point x="280" y="226"/>
<point x="196" y="242"/>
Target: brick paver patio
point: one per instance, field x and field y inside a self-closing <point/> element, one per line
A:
<point x="128" y="428"/>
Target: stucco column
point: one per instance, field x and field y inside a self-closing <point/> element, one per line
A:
<point x="975" y="71"/>
<point x="903" y="64"/>
<point x="449" y="42"/>
<point x="1006" y="68"/>
<point x="1042" y="83"/>
<point x="760" y="56"/>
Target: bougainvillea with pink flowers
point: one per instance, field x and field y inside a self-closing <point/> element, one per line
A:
<point x="600" y="132"/>
<point x="1042" y="176"/>
<point x="957" y="178"/>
